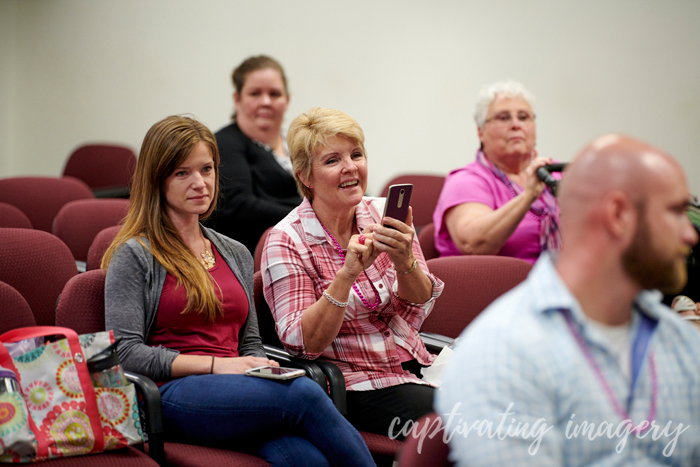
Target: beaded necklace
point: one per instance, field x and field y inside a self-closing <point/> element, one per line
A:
<point x="354" y="285"/>
<point x="608" y="390"/>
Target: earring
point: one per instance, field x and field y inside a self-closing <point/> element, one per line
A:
<point x="308" y="186"/>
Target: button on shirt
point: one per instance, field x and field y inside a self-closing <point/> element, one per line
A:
<point x="299" y="264"/>
<point x="520" y="357"/>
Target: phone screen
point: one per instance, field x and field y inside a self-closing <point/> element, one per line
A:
<point x="272" y="370"/>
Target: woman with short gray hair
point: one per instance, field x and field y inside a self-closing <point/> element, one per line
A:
<point x="497" y="205"/>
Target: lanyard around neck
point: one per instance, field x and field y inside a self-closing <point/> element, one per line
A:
<point x="639" y="349"/>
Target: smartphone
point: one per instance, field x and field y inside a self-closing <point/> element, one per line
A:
<point x="398" y="199"/>
<point x="275" y="372"/>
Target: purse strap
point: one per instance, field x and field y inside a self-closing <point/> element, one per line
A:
<point x="80" y="363"/>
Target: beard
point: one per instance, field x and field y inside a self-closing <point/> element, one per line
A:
<point x="648" y="267"/>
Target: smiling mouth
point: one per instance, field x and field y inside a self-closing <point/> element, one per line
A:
<point x="349" y="184"/>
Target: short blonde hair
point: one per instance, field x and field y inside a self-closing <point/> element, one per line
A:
<point x="311" y="130"/>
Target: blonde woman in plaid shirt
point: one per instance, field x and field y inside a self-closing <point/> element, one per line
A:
<point x="344" y="287"/>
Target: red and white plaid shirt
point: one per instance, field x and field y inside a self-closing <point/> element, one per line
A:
<point x="300" y="261"/>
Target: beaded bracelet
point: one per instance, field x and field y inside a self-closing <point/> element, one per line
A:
<point x="334" y="301"/>
<point x="413" y="268"/>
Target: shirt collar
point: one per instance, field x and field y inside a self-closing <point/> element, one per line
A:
<point x="313" y="230"/>
<point x="552" y="294"/>
<point x="550" y="291"/>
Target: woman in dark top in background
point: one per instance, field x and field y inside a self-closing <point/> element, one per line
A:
<point x="257" y="186"/>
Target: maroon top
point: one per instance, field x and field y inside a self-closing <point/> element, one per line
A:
<point x="193" y="333"/>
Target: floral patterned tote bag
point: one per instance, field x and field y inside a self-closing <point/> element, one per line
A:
<point x="49" y="405"/>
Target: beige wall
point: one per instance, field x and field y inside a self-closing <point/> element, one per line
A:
<point x="73" y="71"/>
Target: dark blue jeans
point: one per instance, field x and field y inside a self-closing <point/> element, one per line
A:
<point x="290" y="423"/>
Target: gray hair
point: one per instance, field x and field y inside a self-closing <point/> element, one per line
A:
<point x="488" y="93"/>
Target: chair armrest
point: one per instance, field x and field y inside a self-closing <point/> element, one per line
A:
<point x="154" y="415"/>
<point x="284" y="358"/>
<point x="325" y="373"/>
<point x="336" y="383"/>
<point x="435" y="342"/>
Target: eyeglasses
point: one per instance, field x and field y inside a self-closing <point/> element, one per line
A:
<point x="506" y="118"/>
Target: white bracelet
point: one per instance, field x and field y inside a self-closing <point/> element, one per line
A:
<point x="334" y="301"/>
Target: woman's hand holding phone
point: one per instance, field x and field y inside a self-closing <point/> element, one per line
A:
<point x="395" y="238"/>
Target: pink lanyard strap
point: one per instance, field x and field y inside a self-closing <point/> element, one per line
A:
<point x="646" y="328"/>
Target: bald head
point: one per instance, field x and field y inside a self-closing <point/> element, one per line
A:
<point x="611" y="164"/>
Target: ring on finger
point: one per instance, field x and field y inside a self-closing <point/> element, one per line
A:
<point x="361" y="239"/>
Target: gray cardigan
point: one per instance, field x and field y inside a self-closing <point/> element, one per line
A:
<point x="132" y="292"/>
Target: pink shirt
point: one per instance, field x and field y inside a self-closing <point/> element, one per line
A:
<point x="475" y="183"/>
<point x="300" y="261"/>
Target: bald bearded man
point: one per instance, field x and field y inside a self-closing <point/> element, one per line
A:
<point x="580" y="365"/>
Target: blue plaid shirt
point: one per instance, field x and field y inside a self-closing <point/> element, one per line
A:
<point x="520" y="357"/>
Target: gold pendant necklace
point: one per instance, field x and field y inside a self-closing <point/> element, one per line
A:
<point x="207" y="260"/>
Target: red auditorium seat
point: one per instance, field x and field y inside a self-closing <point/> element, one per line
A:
<point x="79" y="222"/>
<point x="81" y="305"/>
<point x="471" y="284"/>
<point x="189" y="455"/>
<point x="38" y="265"/>
<point x="13" y="217"/>
<point x="103" y="167"/>
<point x="429" y="450"/>
<point x="99" y="246"/>
<point x="15" y="310"/>
<point x="426" y="238"/>
<point x="40" y="198"/>
<point x="257" y="257"/>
